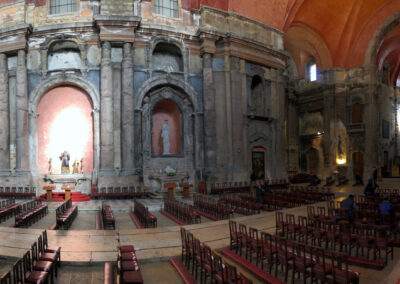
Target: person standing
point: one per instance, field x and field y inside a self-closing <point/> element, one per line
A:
<point x="350" y="205"/>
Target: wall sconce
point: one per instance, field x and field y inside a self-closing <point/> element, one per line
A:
<point x="341" y="161"/>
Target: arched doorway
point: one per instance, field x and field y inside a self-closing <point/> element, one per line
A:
<point x="65" y="123"/>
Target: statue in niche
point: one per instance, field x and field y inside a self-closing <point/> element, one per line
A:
<point x="75" y="167"/>
<point x="165" y="136"/>
<point x="50" y="166"/>
<point x="65" y="157"/>
<point x="82" y="168"/>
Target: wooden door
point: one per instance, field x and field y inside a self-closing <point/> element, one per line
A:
<point x="358" y="163"/>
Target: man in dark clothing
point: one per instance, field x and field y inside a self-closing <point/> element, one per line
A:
<point x="259" y="192"/>
<point x="386" y="207"/>
<point x="369" y="190"/>
<point x="350" y="205"/>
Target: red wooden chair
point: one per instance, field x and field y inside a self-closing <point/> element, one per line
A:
<point x="301" y="262"/>
<point x="6" y="278"/>
<point x="40" y="265"/>
<point x="321" y="270"/>
<point x="341" y="272"/>
<point x="51" y="249"/>
<point x="284" y="255"/>
<point x="268" y="251"/>
<point x="235" y="237"/>
<point x="30" y="275"/>
<point x="206" y="263"/>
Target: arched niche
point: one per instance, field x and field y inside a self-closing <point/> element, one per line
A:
<point x="45" y="86"/>
<point x="167" y="57"/>
<point x="166" y="120"/>
<point x="65" y="123"/>
<point x="258" y="98"/>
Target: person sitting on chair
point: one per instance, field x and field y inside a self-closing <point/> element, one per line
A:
<point x="386" y="207"/>
<point x="350" y="205"/>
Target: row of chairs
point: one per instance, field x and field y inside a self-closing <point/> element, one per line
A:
<point x="202" y="258"/>
<point x="107" y="216"/>
<point x="212" y="207"/>
<point x="128" y="269"/>
<point x="118" y="192"/>
<point x="309" y="261"/>
<point x="145" y="217"/>
<point x="182" y="211"/>
<point x="29" y="213"/>
<point x="38" y="265"/>
<point x="331" y="234"/>
<point x="17" y="191"/>
<point x="241" y="206"/>
<point x="230" y="187"/>
<point x="66" y="214"/>
<point x="7" y="210"/>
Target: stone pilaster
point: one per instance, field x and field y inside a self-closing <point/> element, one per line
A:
<point x="372" y="133"/>
<point x="22" y="114"/>
<point x="209" y="114"/>
<point x="138" y="153"/>
<point x="127" y="111"/>
<point x="4" y="118"/>
<point x="228" y="102"/>
<point x="106" y="114"/>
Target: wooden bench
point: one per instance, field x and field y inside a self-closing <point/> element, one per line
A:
<point x="108" y="217"/>
<point x="66" y="214"/>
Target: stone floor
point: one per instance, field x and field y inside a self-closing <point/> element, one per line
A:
<point x="82" y="245"/>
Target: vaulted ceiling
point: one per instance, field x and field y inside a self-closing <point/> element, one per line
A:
<point x="336" y="33"/>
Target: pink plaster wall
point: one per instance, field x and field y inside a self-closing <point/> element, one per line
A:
<point x="51" y="107"/>
<point x="167" y="110"/>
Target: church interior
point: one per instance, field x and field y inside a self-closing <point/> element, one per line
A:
<point x="199" y="141"/>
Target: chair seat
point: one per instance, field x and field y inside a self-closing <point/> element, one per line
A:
<point x="36" y="277"/>
<point x="123" y="249"/>
<point x="130" y="265"/>
<point x="128" y="256"/>
<point x="47" y="256"/>
<point x="132" y="277"/>
<point x="53" y="249"/>
<point x="340" y="276"/>
<point x="43" y="265"/>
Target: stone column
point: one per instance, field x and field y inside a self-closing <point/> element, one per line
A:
<point x="127" y="110"/>
<point x="138" y="153"/>
<point x="22" y="114"/>
<point x="228" y="102"/>
<point x="372" y="133"/>
<point x="106" y="111"/>
<point x="210" y="136"/>
<point x="4" y="106"/>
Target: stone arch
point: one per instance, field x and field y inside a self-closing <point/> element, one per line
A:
<point x="191" y="107"/>
<point x="168" y="40"/>
<point x="166" y="80"/>
<point x="54" y="82"/>
<point x="375" y="41"/>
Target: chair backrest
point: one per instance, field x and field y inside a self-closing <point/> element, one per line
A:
<point x="230" y="274"/>
<point x="244" y="279"/>
<point x="35" y="255"/>
<point x="27" y="261"/>
<point x="232" y="227"/>
<point x="18" y="271"/>
<point x="6" y="278"/>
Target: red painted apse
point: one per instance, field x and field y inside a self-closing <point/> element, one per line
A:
<point x="65" y="123"/>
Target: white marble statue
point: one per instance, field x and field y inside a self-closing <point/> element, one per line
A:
<point x="165" y="136"/>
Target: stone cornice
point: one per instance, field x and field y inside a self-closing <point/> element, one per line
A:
<point x="14" y="38"/>
<point x="117" y="28"/>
